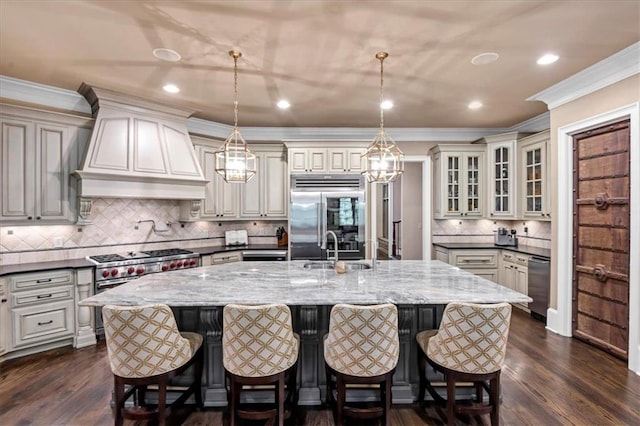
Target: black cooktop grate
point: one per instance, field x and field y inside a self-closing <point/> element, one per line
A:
<point x="104" y="258"/>
<point x="166" y="252"/>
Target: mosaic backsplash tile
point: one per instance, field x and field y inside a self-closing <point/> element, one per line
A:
<point x="115" y="229"/>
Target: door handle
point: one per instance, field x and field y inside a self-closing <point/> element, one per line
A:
<point x="319" y="215"/>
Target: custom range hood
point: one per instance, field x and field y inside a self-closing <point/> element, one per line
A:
<point x="138" y="149"/>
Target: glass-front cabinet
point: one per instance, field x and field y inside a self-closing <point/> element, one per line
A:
<point x="534" y="159"/>
<point x="459" y="180"/>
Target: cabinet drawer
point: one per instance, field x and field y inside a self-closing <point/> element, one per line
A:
<point x="42" y="323"/>
<point x="41" y="279"/>
<point x="511" y="257"/>
<point x="22" y="298"/>
<point x="219" y="258"/>
<point x="474" y="258"/>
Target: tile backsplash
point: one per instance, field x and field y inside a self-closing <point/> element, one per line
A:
<point x="483" y="231"/>
<point x="115" y="230"/>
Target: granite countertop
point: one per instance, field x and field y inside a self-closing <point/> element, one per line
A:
<point x="394" y="281"/>
<point x="18" y="268"/>
<point x="534" y="251"/>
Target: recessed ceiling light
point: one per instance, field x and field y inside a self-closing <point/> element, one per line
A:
<point x="485" y="58"/>
<point x="547" y="59"/>
<point x="283" y="104"/>
<point x="386" y="104"/>
<point x="171" y="88"/>
<point x="166" y="54"/>
<point x="475" y="105"/>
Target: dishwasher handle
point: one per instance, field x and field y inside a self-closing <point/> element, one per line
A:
<point x="539" y="260"/>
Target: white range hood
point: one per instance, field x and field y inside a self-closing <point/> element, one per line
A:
<point x="138" y="149"/>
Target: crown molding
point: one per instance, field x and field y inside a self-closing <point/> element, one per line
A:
<point x="35" y="93"/>
<point x="611" y="70"/>
<point x="328" y="134"/>
<point x="534" y="124"/>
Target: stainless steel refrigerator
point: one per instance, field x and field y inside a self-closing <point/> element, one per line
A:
<point x="322" y="203"/>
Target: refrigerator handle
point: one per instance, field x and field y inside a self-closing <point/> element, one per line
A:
<point x="320" y="237"/>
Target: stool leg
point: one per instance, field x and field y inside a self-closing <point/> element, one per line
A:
<point x="233" y="391"/>
<point x="280" y="398"/>
<point x="387" y="401"/>
<point x="494" y="399"/>
<point x="451" y="400"/>
<point x="162" y="401"/>
<point x="118" y="389"/>
<point x="197" y="373"/>
<point x="342" y="398"/>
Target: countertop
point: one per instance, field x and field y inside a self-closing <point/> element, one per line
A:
<point x="534" y="251"/>
<point x="19" y="268"/>
<point x="395" y="281"/>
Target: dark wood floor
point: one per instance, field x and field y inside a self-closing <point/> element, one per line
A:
<point x="548" y="380"/>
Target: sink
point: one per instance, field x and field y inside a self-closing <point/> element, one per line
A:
<point x="352" y="266"/>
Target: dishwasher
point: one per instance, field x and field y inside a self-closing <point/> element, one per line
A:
<point x="538" y="283"/>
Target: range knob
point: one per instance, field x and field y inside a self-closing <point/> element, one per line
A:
<point x="165" y="267"/>
<point x="105" y="273"/>
<point x="131" y="270"/>
<point x="179" y="263"/>
<point x="114" y="272"/>
<point x="193" y="262"/>
<point x="140" y="271"/>
<point x="172" y="265"/>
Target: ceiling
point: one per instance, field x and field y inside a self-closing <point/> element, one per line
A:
<point x="319" y="55"/>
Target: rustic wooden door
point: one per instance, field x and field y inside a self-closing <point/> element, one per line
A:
<point x="601" y="238"/>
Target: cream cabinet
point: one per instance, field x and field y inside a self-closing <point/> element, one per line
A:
<point x="514" y="272"/>
<point x="346" y="160"/>
<point x="35" y="172"/>
<point x="458" y="181"/>
<point x="266" y="195"/>
<point x="220" y="258"/>
<point x="221" y="198"/>
<point x="38" y="152"/>
<point x="481" y="262"/>
<point x="441" y="254"/>
<point x="4" y="317"/>
<point x="534" y="181"/>
<point x="307" y="160"/>
<point x="42" y="308"/>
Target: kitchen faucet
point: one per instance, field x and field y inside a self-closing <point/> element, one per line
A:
<point x="335" y="247"/>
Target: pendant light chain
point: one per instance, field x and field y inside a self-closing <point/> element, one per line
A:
<point x="381" y="57"/>
<point x="235" y="88"/>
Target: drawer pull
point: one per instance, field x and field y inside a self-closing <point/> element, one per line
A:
<point x="46" y="322"/>
<point x="47" y="280"/>
<point x="44" y="296"/>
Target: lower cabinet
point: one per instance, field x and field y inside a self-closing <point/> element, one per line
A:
<point x="514" y="273"/>
<point x="41" y="311"/>
<point x="483" y="263"/>
<point x="4" y="317"/>
<point x="220" y="258"/>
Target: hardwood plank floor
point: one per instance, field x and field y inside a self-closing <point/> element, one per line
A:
<point x="547" y="380"/>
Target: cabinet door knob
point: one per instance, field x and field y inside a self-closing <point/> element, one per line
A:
<point x="29" y="217"/>
<point x="4" y="300"/>
<point x="37" y="217"/>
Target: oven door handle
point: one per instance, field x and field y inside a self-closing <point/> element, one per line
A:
<point x="112" y="283"/>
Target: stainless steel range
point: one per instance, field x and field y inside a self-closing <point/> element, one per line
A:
<point x="115" y="269"/>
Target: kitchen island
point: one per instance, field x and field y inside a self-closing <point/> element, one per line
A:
<point x="420" y="289"/>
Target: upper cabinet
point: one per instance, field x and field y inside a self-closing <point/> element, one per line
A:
<point x="458" y="181"/>
<point x="315" y="157"/>
<point x="534" y="188"/>
<point x="37" y="157"/>
<point x="266" y="195"/>
<point x="502" y="176"/>
<point x="307" y="160"/>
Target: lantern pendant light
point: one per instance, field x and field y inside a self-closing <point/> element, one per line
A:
<point x="384" y="162"/>
<point x="234" y="161"/>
